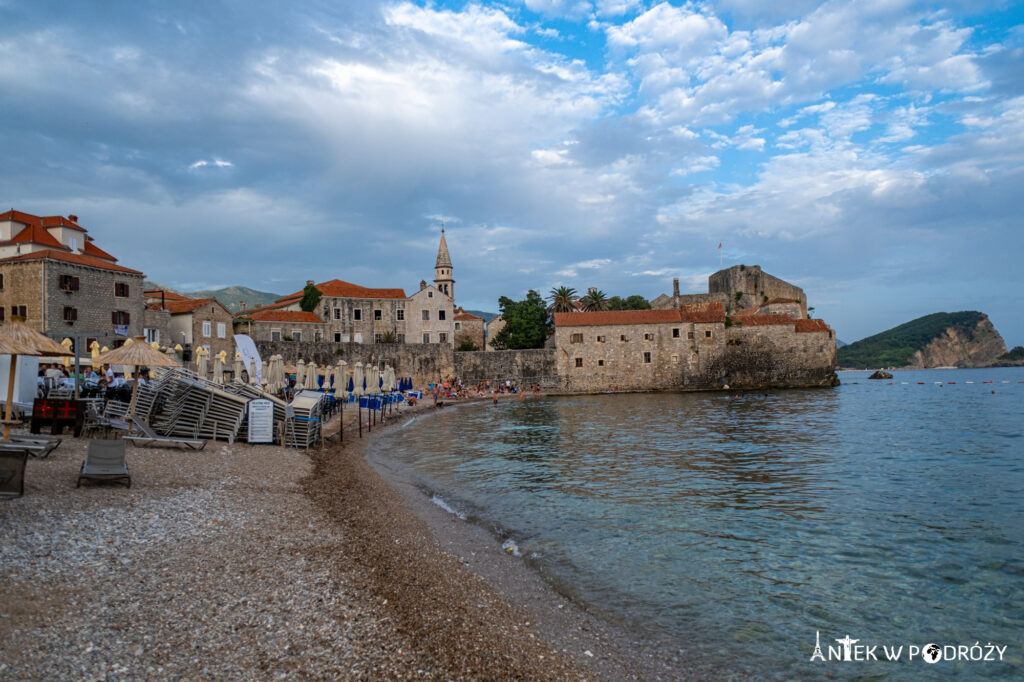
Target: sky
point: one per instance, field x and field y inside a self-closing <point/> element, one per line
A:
<point x="870" y="152"/>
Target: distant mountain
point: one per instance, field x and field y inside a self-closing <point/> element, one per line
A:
<point x="479" y="313"/>
<point x="841" y="344"/>
<point x="963" y="339"/>
<point x="232" y="296"/>
<point x="229" y="296"/>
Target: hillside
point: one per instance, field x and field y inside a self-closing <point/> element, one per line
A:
<point x="231" y="296"/>
<point x="479" y="313"/>
<point x="962" y="339"/>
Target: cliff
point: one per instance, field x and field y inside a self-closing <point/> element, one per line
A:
<point x="963" y="339"/>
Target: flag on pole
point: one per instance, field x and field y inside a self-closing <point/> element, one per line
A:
<point x="719" y="244"/>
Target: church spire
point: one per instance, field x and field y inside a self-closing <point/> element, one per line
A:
<point x="443" y="279"/>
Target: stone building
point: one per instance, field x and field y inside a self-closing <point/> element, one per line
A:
<point x="693" y="347"/>
<point x="492" y="329"/>
<point x="738" y="288"/>
<point x="191" y="322"/>
<point x="350" y="313"/>
<point x="282" y="325"/>
<point x="468" y="327"/>
<point x="53" y="275"/>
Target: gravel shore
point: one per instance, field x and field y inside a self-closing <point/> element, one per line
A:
<point x="245" y="562"/>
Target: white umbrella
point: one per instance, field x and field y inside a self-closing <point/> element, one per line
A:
<point x="357" y="379"/>
<point x="265" y="373"/>
<point x="254" y="377"/>
<point x="373" y="380"/>
<point x="300" y="374"/>
<point x="311" y="373"/>
<point x="202" y="363"/>
<point x="218" y="367"/>
<point x="389" y="378"/>
<point x="238" y="368"/>
<point x="277" y="373"/>
<point x="341" y="380"/>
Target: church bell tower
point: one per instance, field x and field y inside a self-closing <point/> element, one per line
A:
<point x="443" y="279"/>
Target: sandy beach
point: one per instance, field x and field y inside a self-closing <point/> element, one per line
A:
<point x="258" y="562"/>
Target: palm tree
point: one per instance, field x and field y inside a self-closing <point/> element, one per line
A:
<point x="563" y="300"/>
<point x="595" y="300"/>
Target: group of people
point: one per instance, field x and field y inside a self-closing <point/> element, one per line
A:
<point x="454" y="388"/>
<point x="53" y="374"/>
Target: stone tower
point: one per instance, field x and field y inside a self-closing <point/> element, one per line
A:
<point x="443" y="279"/>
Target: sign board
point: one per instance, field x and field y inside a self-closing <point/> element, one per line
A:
<point x="57" y="413"/>
<point x="261" y="421"/>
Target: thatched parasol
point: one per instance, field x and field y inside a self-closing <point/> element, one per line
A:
<point x="137" y="355"/>
<point x="20" y="339"/>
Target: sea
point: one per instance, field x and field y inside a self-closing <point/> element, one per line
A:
<point x="755" y="532"/>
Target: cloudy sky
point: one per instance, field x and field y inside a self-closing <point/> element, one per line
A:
<point x="871" y="152"/>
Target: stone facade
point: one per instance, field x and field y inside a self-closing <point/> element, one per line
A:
<point x="740" y="288"/>
<point x="492" y="329"/>
<point x="522" y="367"/>
<point x="431" y="316"/>
<point x="468" y="327"/>
<point x="64" y="284"/>
<point x="204" y="322"/>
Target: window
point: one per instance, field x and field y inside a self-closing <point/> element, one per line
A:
<point x="358" y="338"/>
<point x="430" y="294"/>
<point x="579" y="362"/>
<point x="442" y="338"/>
<point x="401" y="338"/>
<point x="120" y="289"/>
<point x="152" y="335"/>
<point x="337" y="337"/>
<point x="345" y="338"/>
<point x="576" y="338"/>
<point x="318" y="336"/>
<point x="707" y="334"/>
<point x="207" y="328"/>
<point x="275" y="334"/>
<point x="600" y="339"/>
<point x="426" y="314"/>
<point x="3" y="314"/>
<point x="19" y="310"/>
<point x="222" y="330"/>
<point x="622" y="338"/>
<point x="426" y="338"/>
<point x="357" y="314"/>
<point x="600" y="363"/>
<point x="337" y="313"/>
<point x="73" y="243"/>
<point x="377" y="338"/>
<point x="675" y="358"/>
<point x="1" y="281"/>
<point x="675" y="332"/>
<point x="70" y="314"/>
<point x="648" y="337"/>
<point x="458" y="326"/>
<point x="647" y="356"/>
<point x="399" y="314"/>
<point x="689" y="336"/>
<point x="68" y="283"/>
<point x="440" y="314"/>
<point x="296" y="335"/>
<point x="377" y="314"/>
<point x="120" y="317"/>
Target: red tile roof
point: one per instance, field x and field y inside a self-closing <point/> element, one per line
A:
<point x="284" y="316"/>
<point x="76" y="258"/>
<point x="188" y="305"/>
<point x="167" y="295"/>
<point x="46" y="221"/>
<point x="61" y="221"/>
<point x="702" y="312"/>
<point x="812" y="325"/>
<point x="337" y="288"/>
<point x="36" y="234"/>
<point x="462" y="316"/>
<point x="698" y="312"/>
<point x="93" y="250"/>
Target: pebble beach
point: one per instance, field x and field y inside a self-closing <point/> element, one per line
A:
<point x="247" y="562"/>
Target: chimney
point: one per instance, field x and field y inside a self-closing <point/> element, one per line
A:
<point x="675" y="292"/>
<point x="241" y="306"/>
<point x="309" y="282"/>
<point x="73" y="218"/>
<point x="423" y="284"/>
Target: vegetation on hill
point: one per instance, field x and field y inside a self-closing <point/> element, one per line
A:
<point x="232" y="296"/>
<point x="1016" y="354"/>
<point x="895" y="347"/>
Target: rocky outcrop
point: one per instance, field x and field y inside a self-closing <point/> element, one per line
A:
<point x="880" y="374"/>
<point x="978" y="346"/>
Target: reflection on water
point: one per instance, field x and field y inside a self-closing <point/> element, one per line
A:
<point x="732" y="529"/>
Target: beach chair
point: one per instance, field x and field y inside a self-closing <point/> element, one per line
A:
<point x="151" y="437"/>
<point x="106" y="460"/>
<point x="40" y="445"/>
<point x="12" y="472"/>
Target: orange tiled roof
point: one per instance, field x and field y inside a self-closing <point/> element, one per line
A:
<point x="93" y="250"/>
<point x="284" y="316"/>
<point x="34" y="233"/>
<point x="76" y="258"/>
<point x="712" y="311"/>
<point x="45" y="221"/>
<point x="61" y="221"/>
<point x="612" y="317"/>
<point x="167" y="295"/>
<point x="337" y="288"/>
<point x="187" y="305"/>
<point x="812" y="325"/>
<point x="18" y="216"/>
<point x="462" y="316"/>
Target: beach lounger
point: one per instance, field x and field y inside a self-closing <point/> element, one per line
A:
<point x="41" y="445"/>
<point x="12" y="472"/>
<point x="106" y="460"/>
<point x="151" y="437"/>
<point x="35" y="450"/>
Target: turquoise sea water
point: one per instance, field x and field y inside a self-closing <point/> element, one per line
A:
<point x="731" y="530"/>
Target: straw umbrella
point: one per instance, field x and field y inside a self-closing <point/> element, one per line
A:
<point x="14" y="348"/>
<point x="218" y="367"/>
<point x="20" y="335"/>
<point x="66" y="345"/>
<point x="137" y="355"/>
<point x="94" y="352"/>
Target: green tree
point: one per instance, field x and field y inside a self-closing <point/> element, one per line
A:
<point x="634" y="302"/>
<point x="563" y="300"/>
<point x="389" y="337"/>
<point x="310" y="298"/>
<point x="467" y="345"/>
<point x="595" y="300"/>
<point x="527" y="323"/>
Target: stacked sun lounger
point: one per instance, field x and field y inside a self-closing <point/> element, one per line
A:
<point x="307" y="427"/>
<point x="250" y="392"/>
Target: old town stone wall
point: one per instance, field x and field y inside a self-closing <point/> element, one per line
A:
<point x="424" y="362"/>
<point x="521" y="367"/>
